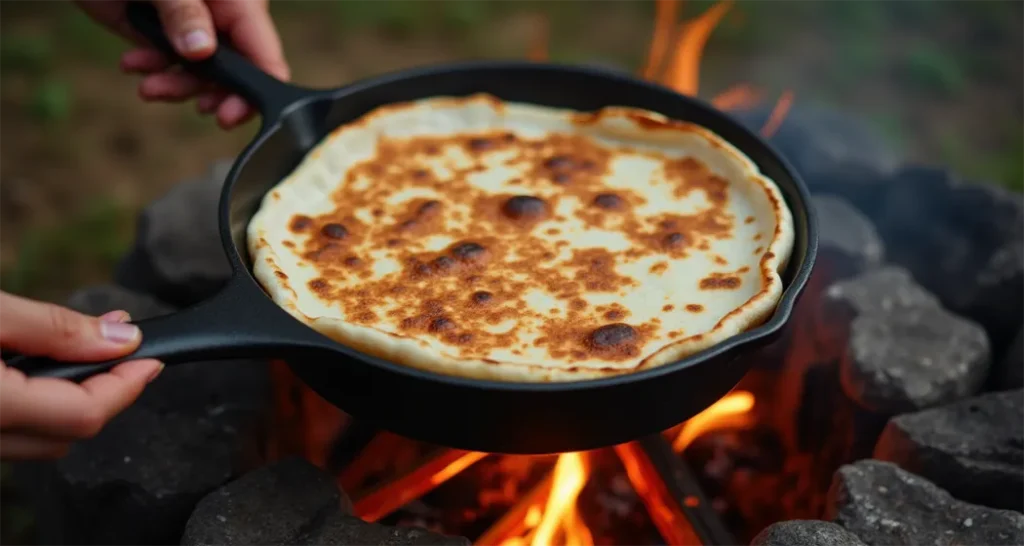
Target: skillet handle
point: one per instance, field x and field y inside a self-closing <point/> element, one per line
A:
<point x="230" y="325"/>
<point x="226" y="66"/>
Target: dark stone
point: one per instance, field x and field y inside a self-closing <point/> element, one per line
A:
<point x="178" y="256"/>
<point x="353" y="531"/>
<point x="973" y="448"/>
<point x="1009" y="374"/>
<point x="883" y="504"/>
<point x="847" y="236"/>
<point x="886" y="290"/>
<point x="232" y="391"/>
<point x="276" y="504"/>
<point x="138" y="480"/>
<point x="805" y="533"/>
<point x="97" y="300"/>
<point x="962" y="241"/>
<point x="913" y="359"/>
<point x="834" y="152"/>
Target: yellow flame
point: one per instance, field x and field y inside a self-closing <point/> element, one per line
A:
<point x="570" y="475"/>
<point x="733" y="410"/>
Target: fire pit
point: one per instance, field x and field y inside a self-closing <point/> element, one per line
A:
<point x="891" y="412"/>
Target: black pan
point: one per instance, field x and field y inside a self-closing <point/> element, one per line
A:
<point x="241" y="321"/>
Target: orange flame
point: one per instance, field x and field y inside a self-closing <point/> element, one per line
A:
<point x="733" y="410"/>
<point x="683" y="73"/>
<point x="778" y="114"/>
<point x="664" y="20"/>
<point x="540" y="40"/>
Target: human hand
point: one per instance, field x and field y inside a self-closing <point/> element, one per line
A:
<point x="192" y="26"/>
<point x="40" y="417"/>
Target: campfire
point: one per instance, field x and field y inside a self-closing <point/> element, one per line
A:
<point x="610" y="496"/>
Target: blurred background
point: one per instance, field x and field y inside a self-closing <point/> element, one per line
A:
<point x="80" y="153"/>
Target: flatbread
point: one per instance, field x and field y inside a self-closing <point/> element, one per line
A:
<point x="479" y="238"/>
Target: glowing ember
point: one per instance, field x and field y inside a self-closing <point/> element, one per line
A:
<point x="732" y="411"/>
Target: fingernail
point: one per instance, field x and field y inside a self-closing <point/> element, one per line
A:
<point x="116" y="316"/>
<point x="119" y="332"/>
<point x="195" y="41"/>
<point x="155" y="373"/>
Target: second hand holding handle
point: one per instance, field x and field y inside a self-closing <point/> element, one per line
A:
<point x="225" y="66"/>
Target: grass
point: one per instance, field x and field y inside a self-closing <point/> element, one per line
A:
<point x="28" y="54"/>
<point x="930" y="69"/>
<point x="89" y="242"/>
<point x="51" y="101"/>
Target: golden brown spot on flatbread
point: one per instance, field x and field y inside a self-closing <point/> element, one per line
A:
<point x="614" y="314"/>
<point x="525" y="208"/>
<point x="299" y="223"/>
<point x="720" y="281"/>
<point x="748" y="220"/>
<point x="318" y="286"/>
<point x="334" y="231"/>
<point x="482" y="298"/>
<point x="615" y="340"/>
<point x="281" y="275"/>
<point x="720" y="260"/>
<point x="757" y="237"/>
<point x="694" y="308"/>
<point x="758" y="250"/>
<point x="609" y="201"/>
<point x="659" y="268"/>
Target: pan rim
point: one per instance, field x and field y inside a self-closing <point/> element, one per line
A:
<point x="778" y="320"/>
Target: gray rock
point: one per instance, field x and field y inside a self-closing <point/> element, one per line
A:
<point x="885" y="290"/>
<point x="1009" y="374"/>
<point x="276" y="504"/>
<point x="178" y="256"/>
<point x="137" y="481"/>
<point x="834" y="152"/>
<point x="973" y="448"/>
<point x="348" y="530"/>
<point x="962" y="241"/>
<point x="913" y="359"/>
<point x="846" y="235"/>
<point x="883" y="504"/>
<point x="805" y="533"/>
<point x="96" y="300"/>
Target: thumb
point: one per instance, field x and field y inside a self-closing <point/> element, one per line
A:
<point x="44" y="329"/>
<point x="188" y="26"/>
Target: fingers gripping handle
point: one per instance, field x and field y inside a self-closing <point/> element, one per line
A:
<point x="226" y="66"/>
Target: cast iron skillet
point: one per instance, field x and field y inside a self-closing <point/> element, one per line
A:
<point x="241" y="321"/>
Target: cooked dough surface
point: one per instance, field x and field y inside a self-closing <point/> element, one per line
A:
<point x="473" y="237"/>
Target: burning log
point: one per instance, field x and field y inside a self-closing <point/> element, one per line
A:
<point x="682" y="485"/>
<point x="428" y="475"/>
<point x="520" y="517"/>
